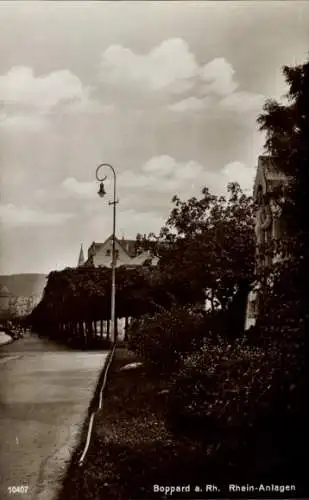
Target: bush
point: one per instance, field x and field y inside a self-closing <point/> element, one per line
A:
<point x="222" y="386"/>
<point x="164" y="338"/>
<point x="241" y="402"/>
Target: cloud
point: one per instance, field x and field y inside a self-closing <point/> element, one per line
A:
<point x="162" y="177"/>
<point x="170" y="69"/>
<point x="239" y="172"/>
<point x="168" y="64"/>
<point x="218" y="75"/>
<point x="171" y="65"/>
<point x="12" y="215"/>
<point x="71" y="187"/>
<point x="158" y="180"/>
<point x="86" y="105"/>
<point x="242" y="102"/>
<point x="20" y="86"/>
<point x="23" y="123"/>
<point x="190" y="104"/>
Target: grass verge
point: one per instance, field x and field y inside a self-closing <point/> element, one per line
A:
<point x="132" y="449"/>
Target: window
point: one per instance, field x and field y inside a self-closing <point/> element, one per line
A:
<point x="109" y="253"/>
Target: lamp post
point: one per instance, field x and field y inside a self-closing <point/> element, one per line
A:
<point x="102" y="193"/>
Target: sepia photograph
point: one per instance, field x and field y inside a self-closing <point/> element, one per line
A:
<point x="154" y="249"/>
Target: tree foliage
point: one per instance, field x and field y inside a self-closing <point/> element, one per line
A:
<point x="206" y="247"/>
<point x="287" y="141"/>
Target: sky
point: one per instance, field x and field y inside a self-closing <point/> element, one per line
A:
<point x="166" y="92"/>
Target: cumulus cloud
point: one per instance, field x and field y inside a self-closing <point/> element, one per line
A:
<point x="169" y="66"/>
<point x="169" y="63"/>
<point x="86" y="105"/>
<point x="71" y="187"/>
<point x="23" y="123"/>
<point x="218" y="76"/>
<point x="171" y="69"/>
<point x="162" y="177"/>
<point x="21" y="86"/>
<point x="239" y="172"/>
<point x="190" y="104"/>
<point x="14" y="216"/>
<point x="242" y="102"/>
<point x="158" y="180"/>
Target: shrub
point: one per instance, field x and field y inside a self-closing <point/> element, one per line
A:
<point x="163" y="338"/>
<point x="241" y="402"/>
<point x="221" y="386"/>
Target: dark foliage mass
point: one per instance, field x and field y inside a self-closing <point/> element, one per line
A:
<point x="163" y="338"/>
<point x="206" y="247"/>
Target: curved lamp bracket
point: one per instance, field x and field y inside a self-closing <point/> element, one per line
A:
<point x="102" y="166"/>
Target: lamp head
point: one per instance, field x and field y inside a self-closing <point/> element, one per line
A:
<point x="101" y="191"/>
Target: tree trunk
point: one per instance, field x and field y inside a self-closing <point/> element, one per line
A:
<point x="75" y="332"/>
<point x="80" y="330"/>
<point x="84" y="330"/>
<point x="116" y="329"/>
<point x="89" y="334"/>
<point x="101" y="328"/>
<point x="108" y="329"/>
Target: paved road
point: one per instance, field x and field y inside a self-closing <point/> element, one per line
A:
<point x="4" y="338"/>
<point x="45" y="391"/>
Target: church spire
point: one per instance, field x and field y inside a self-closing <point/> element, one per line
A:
<point x="81" y="259"/>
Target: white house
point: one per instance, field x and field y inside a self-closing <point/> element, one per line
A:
<point x="126" y="253"/>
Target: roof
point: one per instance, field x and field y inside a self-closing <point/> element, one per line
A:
<point x="268" y="175"/>
<point x="140" y="259"/>
<point x="81" y="258"/>
<point x="127" y="245"/>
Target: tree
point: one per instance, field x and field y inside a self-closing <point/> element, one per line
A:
<point x="284" y="319"/>
<point x="75" y="299"/>
<point x="206" y="247"/>
<point x="287" y="141"/>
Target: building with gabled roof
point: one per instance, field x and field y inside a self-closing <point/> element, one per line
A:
<point x="270" y="224"/>
<point x="127" y="254"/>
<point x="268" y="177"/>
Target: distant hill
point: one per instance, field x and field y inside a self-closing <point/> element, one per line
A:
<point x="24" y="285"/>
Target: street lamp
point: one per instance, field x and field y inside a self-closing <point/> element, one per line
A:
<point x="102" y="193"/>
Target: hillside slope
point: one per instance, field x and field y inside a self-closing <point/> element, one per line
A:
<point x="25" y="285"/>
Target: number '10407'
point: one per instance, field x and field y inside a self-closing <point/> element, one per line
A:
<point x="18" y="490"/>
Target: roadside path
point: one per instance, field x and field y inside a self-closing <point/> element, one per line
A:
<point x="45" y="391"/>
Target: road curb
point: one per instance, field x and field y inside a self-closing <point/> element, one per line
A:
<point x="97" y="403"/>
<point x="9" y="358"/>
